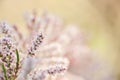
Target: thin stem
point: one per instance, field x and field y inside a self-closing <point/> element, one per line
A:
<point x="17" y="63"/>
<point x="5" y="73"/>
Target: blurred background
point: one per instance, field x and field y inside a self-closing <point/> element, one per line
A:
<point x="99" y="18"/>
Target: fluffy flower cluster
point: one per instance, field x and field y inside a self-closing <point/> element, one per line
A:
<point x="8" y="52"/>
<point x="23" y="58"/>
<point x="47" y="51"/>
<point x="36" y="44"/>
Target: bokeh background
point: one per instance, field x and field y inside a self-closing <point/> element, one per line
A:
<point x="99" y="18"/>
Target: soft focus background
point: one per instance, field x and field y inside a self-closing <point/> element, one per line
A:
<point x="99" y="18"/>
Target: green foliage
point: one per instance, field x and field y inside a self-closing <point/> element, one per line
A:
<point x="5" y="73"/>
